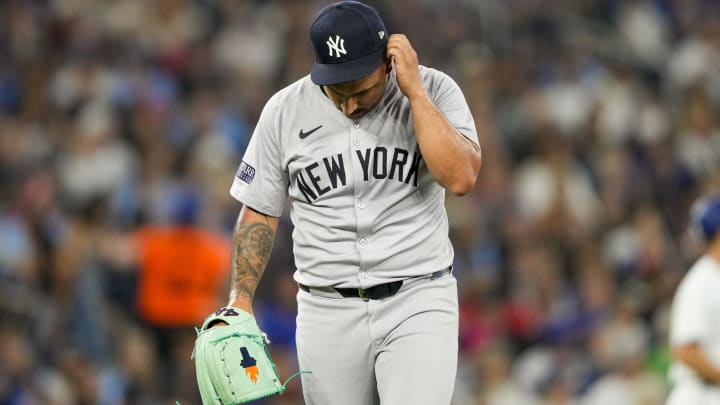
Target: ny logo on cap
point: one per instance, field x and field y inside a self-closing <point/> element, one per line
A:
<point x="338" y="45"/>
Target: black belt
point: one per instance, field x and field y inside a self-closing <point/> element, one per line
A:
<point x="376" y="292"/>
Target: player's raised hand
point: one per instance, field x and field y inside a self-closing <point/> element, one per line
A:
<point x="406" y="65"/>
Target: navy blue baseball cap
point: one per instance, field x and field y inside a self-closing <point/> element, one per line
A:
<point x="705" y="216"/>
<point x="349" y="40"/>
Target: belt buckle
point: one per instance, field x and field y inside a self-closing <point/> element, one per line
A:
<point x="362" y="294"/>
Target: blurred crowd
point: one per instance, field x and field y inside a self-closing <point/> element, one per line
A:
<point x="122" y="123"/>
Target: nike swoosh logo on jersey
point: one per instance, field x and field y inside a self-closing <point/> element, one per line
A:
<point x="304" y="134"/>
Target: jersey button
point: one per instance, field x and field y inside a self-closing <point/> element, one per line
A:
<point x="363" y="274"/>
<point x="356" y="125"/>
<point x="363" y="241"/>
<point x="361" y="205"/>
<point x="356" y="142"/>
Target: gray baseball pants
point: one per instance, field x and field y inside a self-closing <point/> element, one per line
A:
<point x="400" y="350"/>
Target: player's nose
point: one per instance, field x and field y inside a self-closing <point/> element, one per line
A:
<point x="349" y="106"/>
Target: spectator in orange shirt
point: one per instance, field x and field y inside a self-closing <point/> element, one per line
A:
<point x="182" y="270"/>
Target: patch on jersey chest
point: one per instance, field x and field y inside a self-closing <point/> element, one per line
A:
<point x="245" y="173"/>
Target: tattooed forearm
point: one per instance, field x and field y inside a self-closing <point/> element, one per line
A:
<point x="252" y="244"/>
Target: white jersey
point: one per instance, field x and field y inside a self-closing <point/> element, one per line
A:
<point x="364" y="206"/>
<point x="695" y="317"/>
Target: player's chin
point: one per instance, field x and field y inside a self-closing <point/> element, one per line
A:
<point x="357" y="114"/>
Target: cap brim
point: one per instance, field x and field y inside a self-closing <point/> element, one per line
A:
<point x="334" y="73"/>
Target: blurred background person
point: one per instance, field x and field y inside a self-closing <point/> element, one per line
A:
<point x="182" y="272"/>
<point x="694" y="335"/>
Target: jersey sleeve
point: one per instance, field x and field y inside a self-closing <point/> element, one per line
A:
<point x="449" y="98"/>
<point x="689" y="322"/>
<point x="261" y="181"/>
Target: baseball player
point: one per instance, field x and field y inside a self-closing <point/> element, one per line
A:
<point x="364" y="148"/>
<point x="695" y="317"/>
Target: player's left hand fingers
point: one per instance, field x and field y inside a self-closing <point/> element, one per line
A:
<point x="402" y="52"/>
<point x="406" y="63"/>
<point x="400" y="47"/>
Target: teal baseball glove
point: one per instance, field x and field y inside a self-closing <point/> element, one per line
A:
<point x="232" y="362"/>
